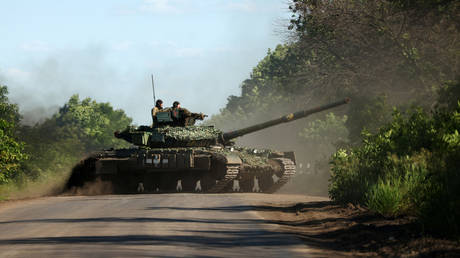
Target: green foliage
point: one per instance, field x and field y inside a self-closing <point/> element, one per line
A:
<point x="78" y="128"/>
<point x="11" y="152"/>
<point x="54" y="146"/>
<point x="364" y="49"/>
<point x="268" y="87"/>
<point x="409" y="166"/>
<point x="91" y="122"/>
<point x="347" y="182"/>
<point x="11" y="149"/>
<point x="8" y="112"/>
<point x="385" y="43"/>
<point x="379" y="53"/>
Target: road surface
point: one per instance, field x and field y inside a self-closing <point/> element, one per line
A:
<point x="162" y="225"/>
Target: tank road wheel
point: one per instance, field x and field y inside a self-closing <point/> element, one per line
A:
<point x="224" y="170"/>
<point x="224" y="182"/>
<point x="198" y="184"/>
<point x="265" y="175"/>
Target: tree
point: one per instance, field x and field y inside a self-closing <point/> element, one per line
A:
<point x="93" y="123"/>
<point x="11" y="149"/>
<point x="79" y="127"/>
<point x="404" y="50"/>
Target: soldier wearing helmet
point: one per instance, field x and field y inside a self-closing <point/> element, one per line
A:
<point x="158" y="107"/>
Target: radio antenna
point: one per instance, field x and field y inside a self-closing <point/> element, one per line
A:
<point x="153" y="88"/>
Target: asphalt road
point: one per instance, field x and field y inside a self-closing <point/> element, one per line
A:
<point x="162" y="225"/>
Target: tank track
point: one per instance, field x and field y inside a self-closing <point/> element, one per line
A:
<point x="288" y="169"/>
<point x="230" y="174"/>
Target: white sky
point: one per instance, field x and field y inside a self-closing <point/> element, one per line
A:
<point x="198" y="51"/>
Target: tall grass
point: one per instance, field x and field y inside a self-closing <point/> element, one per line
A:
<point x="386" y="197"/>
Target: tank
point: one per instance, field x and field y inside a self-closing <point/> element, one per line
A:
<point x="175" y="155"/>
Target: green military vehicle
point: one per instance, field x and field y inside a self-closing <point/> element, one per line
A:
<point x="175" y="155"/>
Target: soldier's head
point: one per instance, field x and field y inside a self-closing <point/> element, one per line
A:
<point x="176" y="104"/>
<point x="159" y="104"/>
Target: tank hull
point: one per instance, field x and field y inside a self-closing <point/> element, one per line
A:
<point x="196" y="169"/>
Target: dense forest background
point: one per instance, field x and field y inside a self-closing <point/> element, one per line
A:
<point x="398" y="60"/>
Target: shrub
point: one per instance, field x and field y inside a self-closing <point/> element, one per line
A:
<point x="345" y="175"/>
<point x="409" y="167"/>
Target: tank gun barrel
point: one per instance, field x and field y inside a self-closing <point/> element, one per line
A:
<point x="284" y="119"/>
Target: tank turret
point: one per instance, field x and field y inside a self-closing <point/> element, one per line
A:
<point x="163" y="134"/>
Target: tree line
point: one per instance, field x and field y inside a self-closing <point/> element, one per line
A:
<point x="49" y="149"/>
<point x="395" y="148"/>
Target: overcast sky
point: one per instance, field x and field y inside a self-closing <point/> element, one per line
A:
<point x="198" y="51"/>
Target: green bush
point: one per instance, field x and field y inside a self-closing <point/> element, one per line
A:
<point x="11" y="148"/>
<point x="11" y="152"/>
<point x="409" y="167"/>
<point x="345" y="175"/>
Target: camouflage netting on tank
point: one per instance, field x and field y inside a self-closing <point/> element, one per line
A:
<point x="189" y="133"/>
<point x="251" y="157"/>
<point x="254" y="157"/>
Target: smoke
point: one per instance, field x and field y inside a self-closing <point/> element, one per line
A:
<point x="196" y="77"/>
<point x="309" y="179"/>
<point x="37" y="114"/>
<point x="96" y="187"/>
<point x="311" y="156"/>
<point x="39" y="87"/>
<point x="46" y="185"/>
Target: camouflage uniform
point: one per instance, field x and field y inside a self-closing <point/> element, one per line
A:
<point x="155" y="110"/>
<point x="180" y="115"/>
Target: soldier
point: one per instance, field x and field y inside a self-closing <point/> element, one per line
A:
<point x="178" y="115"/>
<point x="178" y="111"/>
<point x="158" y="107"/>
<point x="182" y="116"/>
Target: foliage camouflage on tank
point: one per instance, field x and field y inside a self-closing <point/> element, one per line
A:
<point x="176" y="155"/>
<point x="190" y="133"/>
<point x="251" y="156"/>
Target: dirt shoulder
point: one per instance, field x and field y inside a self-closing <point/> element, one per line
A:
<point x="333" y="230"/>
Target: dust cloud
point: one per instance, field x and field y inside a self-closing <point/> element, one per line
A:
<point x="311" y="158"/>
<point x="47" y="185"/>
<point x="310" y="178"/>
<point x="97" y="187"/>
